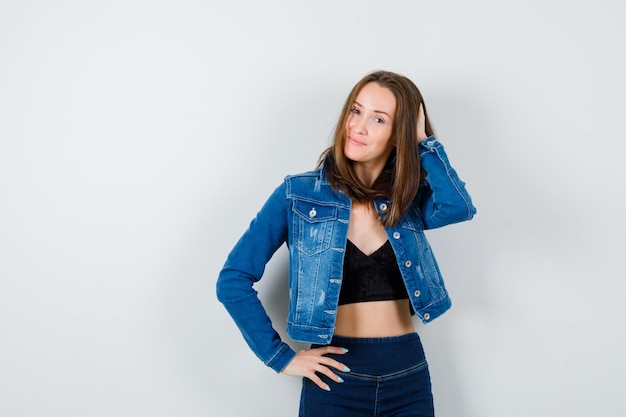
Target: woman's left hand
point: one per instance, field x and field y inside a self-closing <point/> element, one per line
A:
<point x="421" y="125"/>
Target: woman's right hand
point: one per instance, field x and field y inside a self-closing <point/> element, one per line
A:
<point x="307" y="363"/>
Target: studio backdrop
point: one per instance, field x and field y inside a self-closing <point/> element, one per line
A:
<point x="139" y="138"/>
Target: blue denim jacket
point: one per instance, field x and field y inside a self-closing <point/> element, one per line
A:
<point x="313" y="219"/>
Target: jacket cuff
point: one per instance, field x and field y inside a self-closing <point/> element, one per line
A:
<point x="281" y="359"/>
<point x="429" y="145"/>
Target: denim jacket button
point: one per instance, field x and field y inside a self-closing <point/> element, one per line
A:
<point x="396" y="235"/>
<point x="383" y="207"/>
<point x="312" y="213"/>
<point x="417" y="293"/>
<point x="426" y="316"/>
<point x="407" y="264"/>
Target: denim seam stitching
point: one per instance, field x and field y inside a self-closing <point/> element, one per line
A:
<point x="390" y="376"/>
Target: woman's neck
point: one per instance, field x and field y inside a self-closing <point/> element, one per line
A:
<point x="367" y="174"/>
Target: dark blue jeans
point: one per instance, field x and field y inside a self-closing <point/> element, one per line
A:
<point x="389" y="377"/>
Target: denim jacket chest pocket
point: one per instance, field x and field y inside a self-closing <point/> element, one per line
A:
<point x="312" y="226"/>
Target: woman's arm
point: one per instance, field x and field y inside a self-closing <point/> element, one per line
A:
<point x="245" y="266"/>
<point x="447" y="201"/>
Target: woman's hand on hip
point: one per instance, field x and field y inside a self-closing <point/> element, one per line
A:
<point x="307" y="363"/>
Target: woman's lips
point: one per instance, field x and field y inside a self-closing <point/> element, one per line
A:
<point x="355" y="141"/>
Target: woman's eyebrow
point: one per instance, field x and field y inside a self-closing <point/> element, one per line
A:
<point x="375" y="111"/>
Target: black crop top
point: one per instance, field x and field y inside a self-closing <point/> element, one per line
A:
<point x="371" y="278"/>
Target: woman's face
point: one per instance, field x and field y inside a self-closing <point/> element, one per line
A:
<point x="369" y="127"/>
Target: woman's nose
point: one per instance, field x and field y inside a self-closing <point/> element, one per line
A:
<point x="359" y="126"/>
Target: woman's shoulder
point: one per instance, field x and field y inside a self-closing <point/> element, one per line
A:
<point x="305" y="179"/>
<point x="313" y="186"/>
<point x="316" y="173"/>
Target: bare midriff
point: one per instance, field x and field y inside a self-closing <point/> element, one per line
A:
<point x="374" y="319"/>
<point x="371" y="318"/>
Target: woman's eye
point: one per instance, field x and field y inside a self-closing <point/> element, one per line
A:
<point x="355" y="111"/>
<point x="378" y="120"/>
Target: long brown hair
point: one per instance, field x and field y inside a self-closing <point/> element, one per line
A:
<point x="402" y="174"/>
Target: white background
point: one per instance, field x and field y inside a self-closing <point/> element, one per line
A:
<point x="138" y="139"/>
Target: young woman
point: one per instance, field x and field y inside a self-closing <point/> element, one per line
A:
<point x="360" y="265"/>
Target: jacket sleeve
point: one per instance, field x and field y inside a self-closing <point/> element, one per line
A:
<point x="245" y="266"/>
<point x="444" y="199"/>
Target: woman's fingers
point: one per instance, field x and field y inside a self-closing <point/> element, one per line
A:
<point x="325" y="369"/>
<point x="421" y="124"/>
<point x="318" y="381"/>
<point x="330" y="361"/>
<point x="310" y="363"/>
<point x="325" y="350"/>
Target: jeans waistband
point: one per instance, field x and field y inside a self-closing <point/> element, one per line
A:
<point x="379" y="355"/>
<point x="388" y="340"/>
